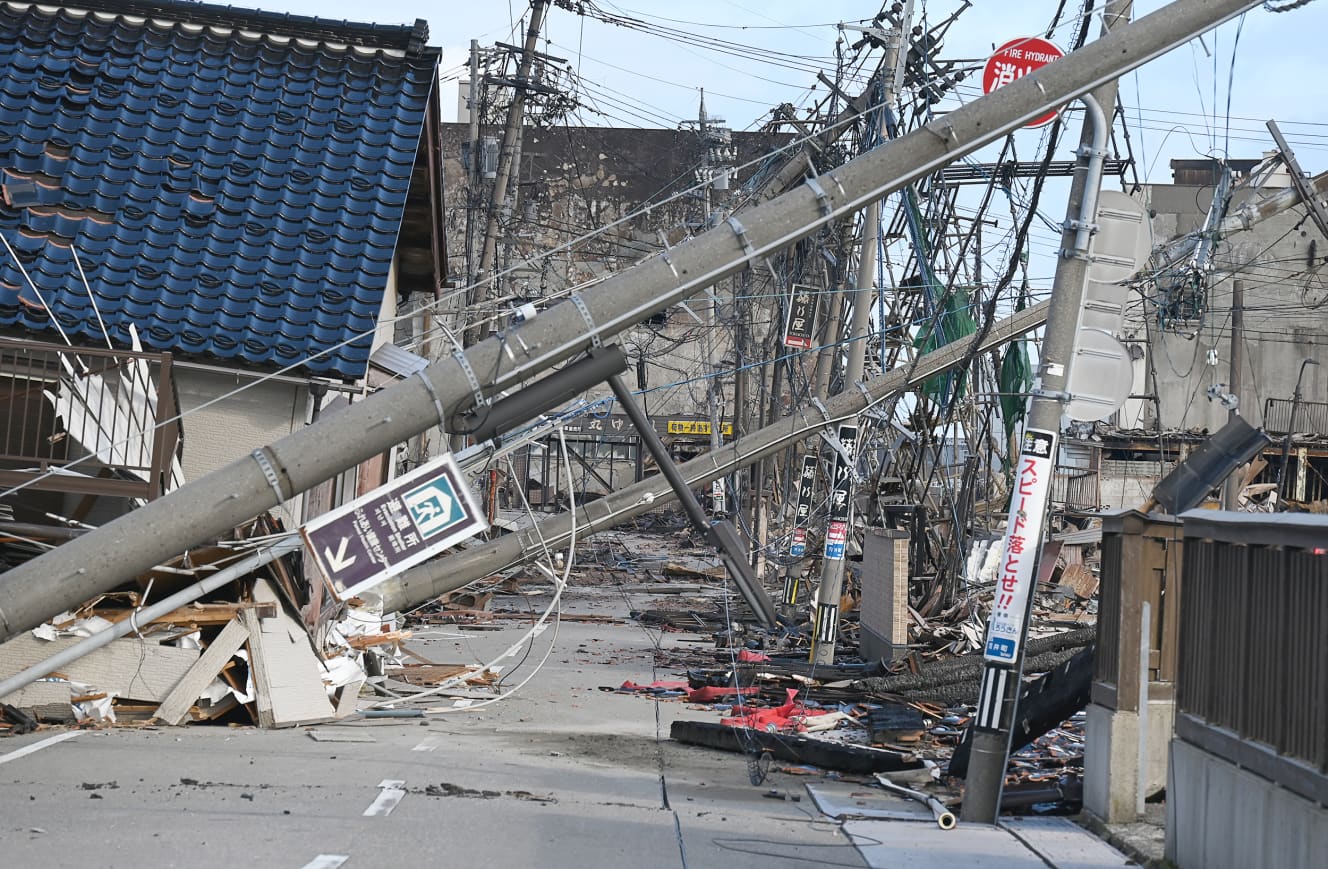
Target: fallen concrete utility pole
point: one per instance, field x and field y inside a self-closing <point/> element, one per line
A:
<point x="116" y="553"/>
<point x="427" y="581"/>
<point x="1262" y="209"/>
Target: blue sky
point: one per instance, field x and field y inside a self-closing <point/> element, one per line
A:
<point x="1208" y="97"/>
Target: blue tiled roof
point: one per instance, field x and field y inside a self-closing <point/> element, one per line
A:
<point x="232" y="194"/>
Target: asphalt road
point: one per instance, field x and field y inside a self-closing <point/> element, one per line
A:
<point x="558" y="774"/>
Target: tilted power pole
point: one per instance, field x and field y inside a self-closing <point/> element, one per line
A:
<point x="1007" y="627"/>
<point x="214" y="504"/>
<point x="484" y="277"/>
<point x="450" y="572"/>
<point x="825" y="621"/>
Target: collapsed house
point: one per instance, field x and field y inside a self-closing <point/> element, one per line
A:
<point x="211" y="217"/>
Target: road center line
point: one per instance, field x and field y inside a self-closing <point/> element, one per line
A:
<point x="389" y="794"/>
<point x="326" y="861"/>
<point x="38" y="746"/>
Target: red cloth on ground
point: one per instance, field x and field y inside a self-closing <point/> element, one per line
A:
<point x="710" y="694"/>
<point x="788" y="717"/>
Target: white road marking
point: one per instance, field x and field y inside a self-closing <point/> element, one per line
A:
<point x="429" y="743"/>
<point x="389" y="794"/>
<point x="37" y="746"/>
<point x="326" y="861"/>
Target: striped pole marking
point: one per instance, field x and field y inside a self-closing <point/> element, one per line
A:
<point x="991" y="698"/>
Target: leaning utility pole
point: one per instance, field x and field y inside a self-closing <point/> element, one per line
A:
<point x="455" y="570"/>
<point x="1007" y="626"/>
<point x="473" y="174"/>
<point x="839" y="526"/>
<point x="484" y="278"/>
<point x="210" y="506"/>
<point x="1231" y="488"/>
<point x="892" y="73"/>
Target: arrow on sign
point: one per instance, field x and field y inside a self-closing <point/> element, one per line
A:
<point x="339" y="562"/>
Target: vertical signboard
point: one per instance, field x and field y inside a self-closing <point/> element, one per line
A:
<point x="1023" y="537"/>
<point x="800" y="318"/>
<point x="841" y="490"/>
<point x="806" y="491"/>
<point x="798" y="546"/>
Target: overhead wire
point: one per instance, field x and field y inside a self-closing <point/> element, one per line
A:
<point x="434" y="306"/>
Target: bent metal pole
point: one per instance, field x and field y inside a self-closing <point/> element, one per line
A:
<point x="199" y="511"/>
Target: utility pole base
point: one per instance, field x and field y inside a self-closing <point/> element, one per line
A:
<point x="986" y="772"/>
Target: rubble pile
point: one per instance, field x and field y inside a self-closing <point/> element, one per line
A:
<point x="255" y="650"/>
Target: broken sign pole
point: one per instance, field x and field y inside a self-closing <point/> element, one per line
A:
<point x="719" y="534"/>
<point x="202" y="510"/>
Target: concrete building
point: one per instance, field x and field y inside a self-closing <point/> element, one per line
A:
<point x="1179" y="335"/>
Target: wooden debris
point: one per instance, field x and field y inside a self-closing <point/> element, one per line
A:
<point x="288" y="678"/>
<point x="365" y="641"/>
<point x="206" y="668"/>
<point x="433" y="674"/>
<point x="466" y="600"/>
<point x="198" y="614"/>
<point x="674" y="568"/>
<point x="1080" y="580"/>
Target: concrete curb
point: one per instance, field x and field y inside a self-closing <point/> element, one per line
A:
<point x="1103" y="831"/>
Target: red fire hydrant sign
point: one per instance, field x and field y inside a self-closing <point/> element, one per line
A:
<point x="1016" y="59"/>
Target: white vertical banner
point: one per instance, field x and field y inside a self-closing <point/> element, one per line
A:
<point x="1023" y="537"/>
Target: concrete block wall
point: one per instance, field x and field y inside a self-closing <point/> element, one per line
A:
<point x="1220" y="816"/>
<point x="884" y="610"/>
<point x="1111" y="759"/>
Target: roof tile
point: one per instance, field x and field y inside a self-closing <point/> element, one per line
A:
<point x="232" y="194"/>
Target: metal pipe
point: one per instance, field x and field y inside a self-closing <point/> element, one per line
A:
<point x="945" y="819"/>
<point x="1096" y="153"/>
<point x="41" y="532"/>
<point x="146" y="614"/>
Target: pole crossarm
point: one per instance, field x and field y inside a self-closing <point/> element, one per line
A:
<point x="203" y="510"/>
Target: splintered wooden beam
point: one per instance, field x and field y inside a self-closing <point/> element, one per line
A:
<point x="176" y="705"/>
<point x="199" y="614"/>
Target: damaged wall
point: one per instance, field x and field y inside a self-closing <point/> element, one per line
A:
<point x="1282" y="264"/>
